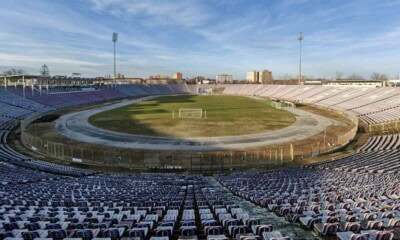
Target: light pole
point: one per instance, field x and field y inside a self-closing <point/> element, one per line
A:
<point x="114" y="39"/>
<point x="300" y="37"/>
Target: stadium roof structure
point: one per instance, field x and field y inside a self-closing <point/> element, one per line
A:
<point x="24" y="79"/>
<point x="355" y="80"/>
<point x="58" y="77"/>
<point x="20" y="76"/>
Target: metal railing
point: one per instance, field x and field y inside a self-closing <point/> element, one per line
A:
<point x="203" y="161"/>
<point x="182" y="160"/>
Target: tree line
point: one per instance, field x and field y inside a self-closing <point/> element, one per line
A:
<point x="44" y="71"/>
<point x="337" y="76"/>
<point x="354" y="76"/>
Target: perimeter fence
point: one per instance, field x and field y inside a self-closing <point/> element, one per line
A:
<point x="195" y="161"/>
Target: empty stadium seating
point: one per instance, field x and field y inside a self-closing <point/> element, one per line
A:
<point x="46" y="200"/>
<point x="328" y="202"/>
<point x="352" y="197"/>
<point x="382" y="142"/>
<point x="14" y="106"/>
<point x="34" y="204"/>
<point x="372" y="105"/>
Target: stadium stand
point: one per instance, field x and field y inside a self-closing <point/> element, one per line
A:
<point x="14" y="107"/>
<point x="12" y="97"/>
<point x="36" y="204"/>
<point x="372" y="105"/>
<point x="193" y="88"/>
<point x="46" y="200"/>
<point x="352" y="197"/>
<point x="365" y="162"/>
<point x="382" y="142"/>
<point x="329" y="202"/>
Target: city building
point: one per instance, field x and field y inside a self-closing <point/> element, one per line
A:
<point x="131" y="80"/>
<point x="159" y="79"/>
<point x="265" y="77"/>
<point x="224" y="78"/>
<point x="393" y="82"/>
<point x="178" y="76"/>
<point x="252" y="77"/>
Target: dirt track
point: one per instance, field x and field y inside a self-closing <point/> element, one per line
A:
<point x="76" y="126"/>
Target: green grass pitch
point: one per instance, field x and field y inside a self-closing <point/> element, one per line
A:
<point x="226" y="116"/>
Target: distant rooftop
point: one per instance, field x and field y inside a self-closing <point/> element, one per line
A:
<point x="355" y="80"/>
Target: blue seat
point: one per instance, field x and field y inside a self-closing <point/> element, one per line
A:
<point x="84" y="234"/>
<point x="57" y="234"/>
<point x="30" y="235"/>
<point x="114" y="234"/>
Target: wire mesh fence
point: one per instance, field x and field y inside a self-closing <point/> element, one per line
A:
<point x="199" y="161"/>
<point x="135" y="159"/>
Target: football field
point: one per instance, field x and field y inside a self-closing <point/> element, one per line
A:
<point x="225" y="116"/>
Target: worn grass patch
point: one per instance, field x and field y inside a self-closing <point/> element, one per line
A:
<point x="226" y="116"/>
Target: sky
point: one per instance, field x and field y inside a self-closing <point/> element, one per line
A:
<point x="201" y="37"/>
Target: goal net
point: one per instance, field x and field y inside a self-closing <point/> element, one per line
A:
<point x="190" y="112"/>
<point x="276" y="105"/>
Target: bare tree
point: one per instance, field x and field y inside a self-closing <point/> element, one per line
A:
<point x="384" y="77"/>
<point x="378" y="76"/>
<point x="355" y="76"/>
<point x="14" y="71"/>
<point x="286" y="77"/>
<point x="375" y="76"/>
<point x="44" y="71"/>
<point x="338" y="75"/>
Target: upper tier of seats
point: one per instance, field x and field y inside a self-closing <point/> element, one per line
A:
<point x="382" y="162"/>
<point x="383" y="142"/>
<point x="373" y="105"/>
<point x="14" y="106"/>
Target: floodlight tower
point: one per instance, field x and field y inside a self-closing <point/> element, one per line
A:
<point x="114" y="39"/>
<point x="300" y="37"/>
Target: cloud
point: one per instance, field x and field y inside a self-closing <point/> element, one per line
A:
<point x="201" y="37"/>
<point x="189" y="13"/>
<point x="38" y="59"/>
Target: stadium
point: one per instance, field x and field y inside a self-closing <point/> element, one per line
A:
<point x="261" y="133"/>
<point x="294" y="141"/>
<point x="175" y="127"/>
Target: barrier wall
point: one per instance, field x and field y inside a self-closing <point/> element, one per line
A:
<point x="384" y="128"/>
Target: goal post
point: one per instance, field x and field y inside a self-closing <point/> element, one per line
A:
<point x="191" y="112"/>
<point x="277" y="105"/>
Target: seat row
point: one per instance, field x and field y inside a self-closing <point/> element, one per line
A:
<point x="374" y="105"/>
<point x="382" y="142"/>
<point x="143" y="206"/>
<point x="329" y="202"/>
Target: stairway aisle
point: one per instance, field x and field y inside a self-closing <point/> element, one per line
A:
<point x="278" y="223"/>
